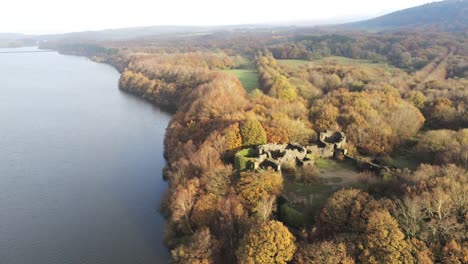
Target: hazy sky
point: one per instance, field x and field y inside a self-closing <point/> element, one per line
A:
<point x="57" y="16"/>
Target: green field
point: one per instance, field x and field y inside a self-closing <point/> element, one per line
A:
<point x="248" y="78"/>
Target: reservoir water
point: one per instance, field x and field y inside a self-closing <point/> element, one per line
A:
<point x="80" y="164"/>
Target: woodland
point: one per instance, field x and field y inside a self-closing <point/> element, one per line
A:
<point x="401" y="98"/>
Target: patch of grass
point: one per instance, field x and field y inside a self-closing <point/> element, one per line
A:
<point x="248" y="78"/>
<point x="403" y="160"/>
<point x="333" y="165"/>
<point x="333" y="180"/>
<point x="305" y="190"/>
<point x="325" y="164"/>
<point x="314" y="196"/>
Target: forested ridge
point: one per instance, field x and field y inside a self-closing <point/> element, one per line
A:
<point x="448" y="15"/>
<point x="399" y="97"/>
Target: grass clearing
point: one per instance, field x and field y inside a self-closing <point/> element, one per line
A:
<point x="333" y="165"/>
<point x="332" y="180"/>
<point x="325" y="164"/>
<point x="248" y="78"/>
<point x="309" y="198"/>
<point x="403" y="158"/>
<point x="401" y="162"/>
<point x="305" y="190"/>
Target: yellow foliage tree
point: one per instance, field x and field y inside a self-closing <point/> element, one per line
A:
<point x="252" y="132"/>
<point x="283" y="89"/>
<point x="384" y="242"/>
<point x="253" y="187"/>
<point x="199" y="250"/>
<point x="326" y="252"/>
<point x="204" y="210"/>
<point x="233" y="137"/>
<point x="271" y="242"/>
<point x="455" y="253"/>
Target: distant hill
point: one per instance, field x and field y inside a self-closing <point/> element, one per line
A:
<point x="449" y="15"/>
<point x="122" y="33"/>
<point x="11" y="36"/>
<point x="141" y="32"/>
<point x="13" y="40"/>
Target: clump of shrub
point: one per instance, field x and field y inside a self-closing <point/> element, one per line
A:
<point x="292" y="217"/>
<point x="444" y="146"/>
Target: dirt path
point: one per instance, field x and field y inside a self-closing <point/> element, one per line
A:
<point x="436" y="69"/>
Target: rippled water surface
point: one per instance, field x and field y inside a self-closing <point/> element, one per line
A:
<point x="80" y="164"/>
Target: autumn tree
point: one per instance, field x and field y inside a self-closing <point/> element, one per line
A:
<point x="417" y="98"/>
<point x="422" y="254"/>
<point x="222" y="97"/>
<point x="454" y="253"/>
<point x="333" y="82"/>
<point x="410" y="216"/>
<point x="291" y="130"/>
<point x="230" y="224"/>
<point x="270" y="242"/>
<point x="233" y="136"/>
<point x="326" y="252"/>
<point x="435" y="205"/>
<point x="441" y="113"/>
<point x="283" y="89"/>
<point x="444" y="146"/>
<point x="252" y="132"/>
<point x="266" y="207"/>
<point x="182" y="203"/>
<point x="347" y="210"/>
<point x="204" y="210"/>
<point x="199" y="250"/>
<point x="335" y="215"/>
<point x="217" y="181"/>
<point x="253" y="187"/>
<point x="375" y="122"/>
<point x="383" y="241"/>
<point x="325" y="118"/>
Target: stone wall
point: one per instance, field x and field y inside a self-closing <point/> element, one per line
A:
<point x="276" y="155"/>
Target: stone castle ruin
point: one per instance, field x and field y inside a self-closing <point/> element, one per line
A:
<point x="275" y="155"/>
<point x="330" y="144"/>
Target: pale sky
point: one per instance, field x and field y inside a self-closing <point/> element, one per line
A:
<point x="59" y="16"/>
